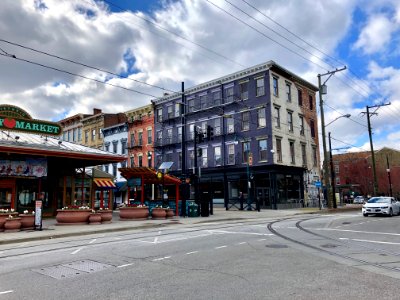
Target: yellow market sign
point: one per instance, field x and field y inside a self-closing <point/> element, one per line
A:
<point x="16" y="119"/>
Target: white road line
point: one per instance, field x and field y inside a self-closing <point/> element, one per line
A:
<point x="261" y="240"/>
<point x="193" y="252"/>
<point x="238" y="232"/>
<point x="368" y="241"/>
<point x="123" y="266"/>
<point x="161" y="258"/>
<point x="7" y="292"/>
<point x="220" y="247"/>
<point x="77" y="250"/>
<point x="117" y="238"/>
<point x="356" y="231"/>
<point x="242" y="243"/>
<point x="92" y="241"/>
<point x="156" y="238"/>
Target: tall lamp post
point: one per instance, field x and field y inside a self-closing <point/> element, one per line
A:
<point x="323" y="91"/>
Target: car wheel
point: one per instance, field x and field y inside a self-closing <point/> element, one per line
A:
<point x="391" y="213"/>
<point x="365" y="215"/>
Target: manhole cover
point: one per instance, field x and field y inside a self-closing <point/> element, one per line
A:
<point x="276" y="246"/>
<point x="329" y="246"/>
<point x="72" y="269"/>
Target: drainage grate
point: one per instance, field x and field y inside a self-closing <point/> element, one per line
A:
<point x="276" y="246"/>
<point x="72" y="269"/>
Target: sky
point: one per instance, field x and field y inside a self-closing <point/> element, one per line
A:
<point x="63" y="57"/>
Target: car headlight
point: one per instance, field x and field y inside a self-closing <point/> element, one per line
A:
<point x="384" y="206"/>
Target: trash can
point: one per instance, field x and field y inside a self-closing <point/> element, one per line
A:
<point x="193" y="210"/>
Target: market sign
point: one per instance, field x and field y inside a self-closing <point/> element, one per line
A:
<point x="16" y="119"/>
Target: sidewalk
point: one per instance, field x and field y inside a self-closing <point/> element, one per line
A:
<point x="50" y="230"/>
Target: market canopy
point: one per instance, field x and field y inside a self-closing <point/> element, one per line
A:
<point x="148" y="175"/>
<point x="104" y="183"/>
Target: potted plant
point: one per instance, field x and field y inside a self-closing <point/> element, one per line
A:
<point x="27" y="220"/>
<point x="12" y="224"/>
<point x="170" y="212"/>
<point x="73" y="214"/>
<point x="158" y="213"/>
<point x="4" y="213"/>
<point x="106" y="215"/>
<point x="134" y="212"/>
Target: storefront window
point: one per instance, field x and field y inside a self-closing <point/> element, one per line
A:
<point x="5" y="198"/>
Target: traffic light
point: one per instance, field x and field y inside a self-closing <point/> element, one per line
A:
<point x="210" y="132"/>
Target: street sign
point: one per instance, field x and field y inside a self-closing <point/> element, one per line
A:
<point x="38" y="214"/>
<point x="250" y="159"/>
<point x="317" y="184"/>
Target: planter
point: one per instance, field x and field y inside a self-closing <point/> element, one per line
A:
<point x="158" y="213"/>
<point x="133" y="213"/>
<point x="106" y="216"/>
<point x="27" y="222"/>
<point x="170" y="213"/>
<point x="73" y="216"/>
<point x="12" y="225"/>
<point x="3" y="217"/>
<point x="94" y="219"/>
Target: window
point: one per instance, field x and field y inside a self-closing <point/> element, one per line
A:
<point x="123" y="164"/>
<point x="292" y="154"/>
<point x="100" y="133"/>
<point x="204" y="159"/>
<point x="204" y="129"/>
<point x="275" y="86"/>
<point x="107" y="147"/>
<point x="159" y="138"/>
<point x="86" y="136"/>
<point x="93" y="134"/>
<point x="217" y="156"/>
<point x="74" y="135"/>
<point x="170" y="111"/>
<point x="69" y="135"/>
<point x="336" y="169"/>
<point x="106" y="168"/>
<point x="301" y="120"/>
<point x="244" y="90"/>
<point x="179" y="160"/>
<point x="179" y="129"/>
<point x="140" y="138"/>
<point x="114" y="170"/>
<point x="300" y="97"/>
<point x="191" y="105"/>
<point x="262" y="150"/>
<point x="217" y="126"/>
<point x="79" y="134"/>
<point x="277" y="116"/>
<point x="303" y="154"/>
<point x="314" y="150"/>
<point x="312" y="128"/>
<point x="132" y="139"/>
<point x="191" y="132"/>
<point x="245" y="152"/>
<point x="169" y="136"/>
<point x="216" y="96"/>
<point x="159" y="115"/>
<point x="230" y="124"/>
<point x="337" y="180"/>
<point x="123" y="147"/>
<point x="231" y="154"/>
<point x="140" y="160"/>
<point x="311" y="102"/>
<point x="279" y="149"/>
<point x="245" y="120"/>
<point x="290" y="120"/>
<point x="132" y="161"/>
<point x="203" y="101"/>
<point x="260" y="88"/>
<point x="191" y="158"/>
<point x="261" y="122"/>
<point x="177" y="109"/>
<point x="288" y="92"/>
<point x="229" y="94"/>
<point x="115" y="147"/>
<point x="64" y="136"/>
<point x="149" y="136"/>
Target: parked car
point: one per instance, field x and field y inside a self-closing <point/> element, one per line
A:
<point x="359" y="200"/>
<point x="381" y="205"/>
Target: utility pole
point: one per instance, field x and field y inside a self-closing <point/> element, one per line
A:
<point x="332" y="171"/>
<point x="372" y="145"/>
<point x="389" y="178"/>
<point x="183" y="111"/>
<point x="322" y="90"/>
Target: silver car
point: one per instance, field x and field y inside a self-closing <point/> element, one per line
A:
<point x="381" y="205"/>
<point x="359" y="200"/>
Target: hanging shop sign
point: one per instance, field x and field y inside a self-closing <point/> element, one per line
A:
<point x="16" y="119"/>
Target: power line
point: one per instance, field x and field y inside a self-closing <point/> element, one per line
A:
<point x="83" y="65"/>
<point x="77" y="75"/>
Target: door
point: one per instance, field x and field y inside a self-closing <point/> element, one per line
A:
<point x="263" y="197"/>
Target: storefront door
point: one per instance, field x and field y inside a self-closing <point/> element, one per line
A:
<point x="263" y="197"/>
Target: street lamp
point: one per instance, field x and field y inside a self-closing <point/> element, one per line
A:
<point x="149" y="156"/>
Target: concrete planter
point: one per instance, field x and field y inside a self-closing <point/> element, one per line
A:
<point x="12" y="225"/>
<point x="106" y="216"/>
<point x="73" y="216"/>
<point x="158" y="213"/>
<point x="27" y="222"/>
<point x="170" y="213"/>
<point x="133" y="213"/>
<point x="3" y="217"/>
<point x="94" y="219"/>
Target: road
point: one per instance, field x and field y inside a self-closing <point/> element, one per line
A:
<point x="340" y="256"/>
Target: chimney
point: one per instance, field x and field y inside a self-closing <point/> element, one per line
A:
<point x="96" y="111"/>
